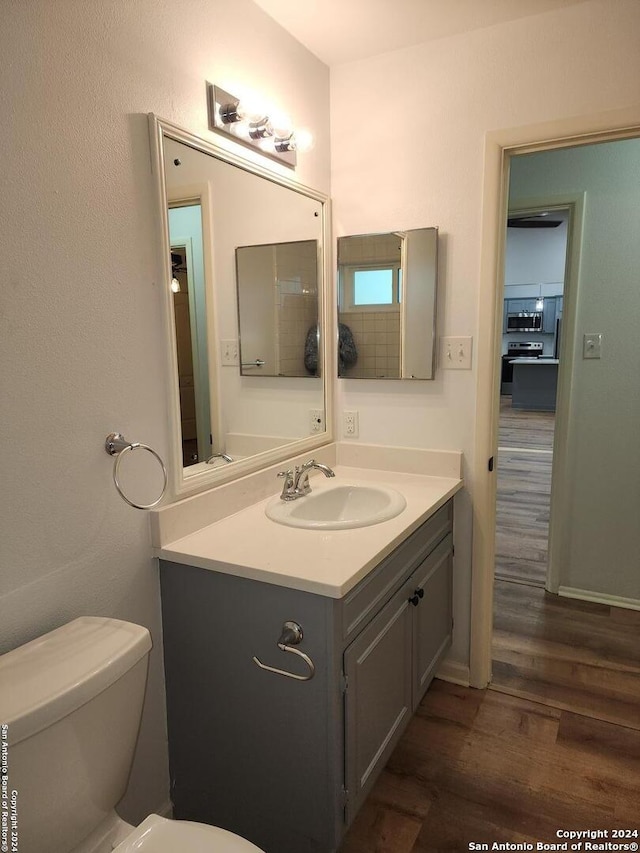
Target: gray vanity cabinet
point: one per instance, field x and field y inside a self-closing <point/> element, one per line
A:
<point x="378" y="697"/>
<point x="390" y="665"/>
<point x="288" y="763"/>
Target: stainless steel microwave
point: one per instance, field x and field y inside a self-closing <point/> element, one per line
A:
<point x="525" y="322"/>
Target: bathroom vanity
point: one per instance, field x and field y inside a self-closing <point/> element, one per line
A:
<point x="289" y="762"/>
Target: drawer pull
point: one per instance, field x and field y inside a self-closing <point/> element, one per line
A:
<point x="415" y="598"/>
<point x="291" y="635"/>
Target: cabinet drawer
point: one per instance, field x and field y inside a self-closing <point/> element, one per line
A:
<point x="362" y="603"/>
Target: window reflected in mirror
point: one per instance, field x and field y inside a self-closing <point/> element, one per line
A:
<point x="386" y="305"/>
<point x="369" y="306"/>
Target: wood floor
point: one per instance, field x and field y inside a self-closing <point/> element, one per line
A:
<point x="523" y="493"/>
<point x="480" y="766"/>
<point x="574" y="655"/>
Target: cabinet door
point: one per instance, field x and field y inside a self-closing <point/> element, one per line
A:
<point x="377" y="666"/>
<point x="432" y="615"/>
<point x="526" y="304"/>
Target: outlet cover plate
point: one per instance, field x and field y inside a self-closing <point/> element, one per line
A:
<point x="316" y="420"/>
<point x="350" y="424"/>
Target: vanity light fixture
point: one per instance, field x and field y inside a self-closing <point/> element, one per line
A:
<point x="272" y="135"/>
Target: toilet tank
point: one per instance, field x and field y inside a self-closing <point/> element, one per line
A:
<point x="72" y="701"/>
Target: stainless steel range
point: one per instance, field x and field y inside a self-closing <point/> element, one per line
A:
<point x="516" y="349"/>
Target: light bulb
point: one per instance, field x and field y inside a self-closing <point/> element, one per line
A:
<point x="281" y="124"/>
<point x="284" y="143"/>
<point x="246" y="110"/>
<point x="303" y="140"/>
<point x="175" y="285"/>
<point x="250" y="110"/>
<point x="260" y="129"/>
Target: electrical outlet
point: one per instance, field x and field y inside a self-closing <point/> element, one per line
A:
<point x="455" y="353"/>
<point x="350" y="424"/>
<point x="229" y="352"/>
<point x="316" y="420"/>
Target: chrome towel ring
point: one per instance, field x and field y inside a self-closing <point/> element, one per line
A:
<point x="116" y="445"/>
<point x="290" y="637"/>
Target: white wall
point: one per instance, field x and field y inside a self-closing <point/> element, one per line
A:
<point x="603" y="536"/>
<point x="81" y="327"/>
<point x="407" y="138"/>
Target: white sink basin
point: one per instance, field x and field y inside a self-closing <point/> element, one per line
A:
<point x="338" y="507"/>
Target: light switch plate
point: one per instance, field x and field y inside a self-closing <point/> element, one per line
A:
<point x="455" y="353"/>
<point x="229" y="352"/>
<point x="592" y="345"/>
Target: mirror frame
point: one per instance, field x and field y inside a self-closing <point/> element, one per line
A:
<point x="182" y="481"/>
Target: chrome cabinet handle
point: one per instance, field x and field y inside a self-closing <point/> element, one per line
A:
<point x="291" y="635"/>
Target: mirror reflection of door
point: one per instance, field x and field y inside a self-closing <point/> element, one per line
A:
<point x="277" y="286"/>
<point x="185" y="228"/>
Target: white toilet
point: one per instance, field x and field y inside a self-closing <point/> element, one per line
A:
<point x="72" y="700"/>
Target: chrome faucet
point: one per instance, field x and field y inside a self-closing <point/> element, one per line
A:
<point x="296" y="482"/>
<point x="212" y="459"/>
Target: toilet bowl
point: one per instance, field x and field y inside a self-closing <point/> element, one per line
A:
<point x="72" y="701"/>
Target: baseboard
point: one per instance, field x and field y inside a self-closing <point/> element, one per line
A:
<point x="599" y="597"/>
<point x="454" y="673"/>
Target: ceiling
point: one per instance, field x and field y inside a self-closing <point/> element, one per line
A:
<point x="339" y="31"/>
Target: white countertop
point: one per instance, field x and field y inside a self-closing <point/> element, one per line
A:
<point x="539" y="361"/>
<point x="329" y="562"/>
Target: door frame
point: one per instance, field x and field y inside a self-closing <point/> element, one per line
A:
<point x="500" y="146"/>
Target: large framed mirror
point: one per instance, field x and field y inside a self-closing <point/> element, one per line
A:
<point x="244" y="252"/>
<point x="387" y="304"/>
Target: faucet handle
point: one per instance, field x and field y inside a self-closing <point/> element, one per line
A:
<point x="301" y="485"/>
<point x="287" y="486"/>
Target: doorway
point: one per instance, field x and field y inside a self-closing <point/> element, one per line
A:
<point x="501" y="148"/>
<point x="536" y="269"/>
<point x="572" y="650"/>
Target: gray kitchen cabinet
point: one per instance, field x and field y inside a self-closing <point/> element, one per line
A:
<point x="549" y="315"/>
<point x="288" y="763"/>
<point x="527" y="304"/>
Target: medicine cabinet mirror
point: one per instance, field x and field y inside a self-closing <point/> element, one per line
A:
<point x="387" y="304"/>
<point x="245" y="270"/>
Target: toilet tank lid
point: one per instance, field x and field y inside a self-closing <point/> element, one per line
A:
<point x="51" y="676"/>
